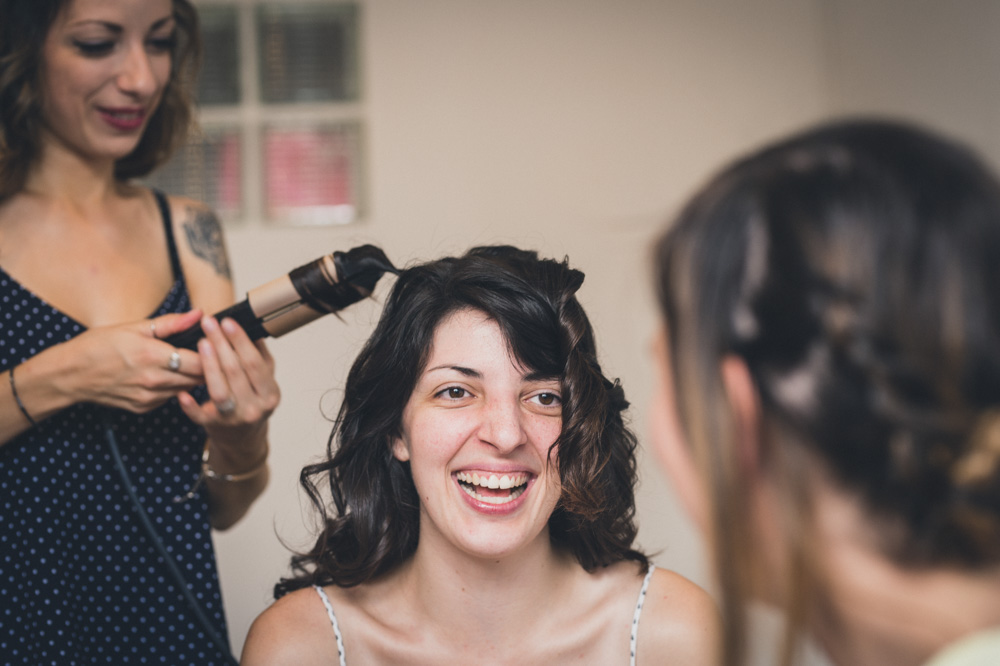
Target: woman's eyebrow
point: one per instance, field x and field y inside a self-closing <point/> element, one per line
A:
<point x="468" y="372"/>
<point x="537" y="376"/>
<point x="162" y="22"/>
<point x="116" y="28"/>
<point x="107" y="25"/>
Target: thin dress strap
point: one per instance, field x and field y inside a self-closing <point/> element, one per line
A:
<point x="638" y="611"/>
<point x="168" y="228"/>
<point x="333" y="621"/>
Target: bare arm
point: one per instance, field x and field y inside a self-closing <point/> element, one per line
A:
<point x="294" y="630"/>
<point x="118" y="366"/>
<point x="239" y="373"/>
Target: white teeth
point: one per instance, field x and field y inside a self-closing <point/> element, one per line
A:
<point x="515" y="483"/>
<point x="494" y="481"/>
<point x="488" y="499"/>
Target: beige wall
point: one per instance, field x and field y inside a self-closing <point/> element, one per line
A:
<point x="574" y="127"/>
<point x="933" y="62"/>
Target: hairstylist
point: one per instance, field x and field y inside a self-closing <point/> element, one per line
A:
<point x="94" y="272"/>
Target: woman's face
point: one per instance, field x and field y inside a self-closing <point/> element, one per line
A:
<point x="105" y="64"/>
<point x="668" y="437"/>
<point x="761" y="508"/>
<point x="477" y="431"/>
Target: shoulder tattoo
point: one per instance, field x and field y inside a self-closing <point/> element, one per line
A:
<point x="204" y="237"/>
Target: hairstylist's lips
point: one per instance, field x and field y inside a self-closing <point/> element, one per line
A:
<point x="126" y="119"/>
<point x="494" y="491"/>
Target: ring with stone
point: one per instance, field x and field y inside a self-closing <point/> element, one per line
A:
<point x="175" y="361"/>
<point x="227" y="406"/>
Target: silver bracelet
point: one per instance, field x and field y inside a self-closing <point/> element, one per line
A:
<point x="208" y="473"/>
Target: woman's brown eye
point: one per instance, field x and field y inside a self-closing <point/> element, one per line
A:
<point x="455" y="392"/>
<point x="547" y="399"/>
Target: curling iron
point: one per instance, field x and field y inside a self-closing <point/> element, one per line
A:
<point x="308" y="292"/>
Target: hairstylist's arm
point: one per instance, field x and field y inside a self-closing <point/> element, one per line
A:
<point x="122" y="366"/>
<point x="238" y="372"/>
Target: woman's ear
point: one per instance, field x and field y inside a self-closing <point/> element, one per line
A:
<point x="745" y="404"/>
<point x="400" y="450"/>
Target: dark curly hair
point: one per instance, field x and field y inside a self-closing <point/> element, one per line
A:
<point x="24" y="25"/>
<point x="373" y="524"/>
<point x="855" y="269"/>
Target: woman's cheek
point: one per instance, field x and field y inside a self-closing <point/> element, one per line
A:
<point x="673" y="451"/>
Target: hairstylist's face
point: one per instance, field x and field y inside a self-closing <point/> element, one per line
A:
<point x="668" y="438"/>
<point x="105" y="64"/>
<point x="476" y="432"/>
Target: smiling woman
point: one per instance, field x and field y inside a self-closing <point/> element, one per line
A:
<point x="474" y="391"/>
<point x="480" y="468"/>
<point x="95" y="271"/>
<point x="90" y="58"/>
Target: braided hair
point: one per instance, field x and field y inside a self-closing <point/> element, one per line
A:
<point x="855" y="269"/>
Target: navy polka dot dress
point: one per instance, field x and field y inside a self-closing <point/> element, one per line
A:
<point x="80" y="582"/>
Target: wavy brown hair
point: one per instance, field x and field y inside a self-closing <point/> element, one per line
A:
<point x="24" y="25"/>
<point x="854" y="269"/>
<point x="370" y="523"/>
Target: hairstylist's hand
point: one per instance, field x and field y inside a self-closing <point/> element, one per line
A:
<point x="129" y="366"/>
<point x="239" y="374"/>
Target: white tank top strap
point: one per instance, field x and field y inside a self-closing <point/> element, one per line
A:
<point x="638" y="612"/>
<point x="336" y="627"/>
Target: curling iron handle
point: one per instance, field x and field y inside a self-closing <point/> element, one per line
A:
<point x="242" y="313"/>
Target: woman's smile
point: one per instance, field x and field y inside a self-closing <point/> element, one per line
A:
<point x="124" y="119"/>
<point x="498" y="491"/>
<point x="478" y="433"/>
<point x="104" y="69"/>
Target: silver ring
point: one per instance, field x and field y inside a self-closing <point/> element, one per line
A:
<point x="152" y="328"/>
<point x="227" y="406"/>
<point x="175" y="361"/>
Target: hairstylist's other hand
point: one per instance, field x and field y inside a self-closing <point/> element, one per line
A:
<point x="128" y="366"/>
<point x="239" y="374"/>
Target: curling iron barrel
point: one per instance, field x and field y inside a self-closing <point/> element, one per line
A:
<point x="325" y="285"/>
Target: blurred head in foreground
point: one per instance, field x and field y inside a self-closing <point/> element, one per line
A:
<point x="829" y="404"/>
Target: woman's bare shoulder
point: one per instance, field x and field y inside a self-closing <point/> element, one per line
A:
<point x="294" y="630"/>
<point x="201" y="246"/>
<point x="680" y="622"/>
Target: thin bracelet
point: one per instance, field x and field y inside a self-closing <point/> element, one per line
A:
<point x="17" y="399"/>
<point x="208" y="473"/>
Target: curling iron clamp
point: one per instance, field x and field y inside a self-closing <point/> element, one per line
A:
<point x="308" y="292"/>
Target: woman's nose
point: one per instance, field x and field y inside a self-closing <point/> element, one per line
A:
<point x="137" y="75"/>
<point x="502" y="426"/>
